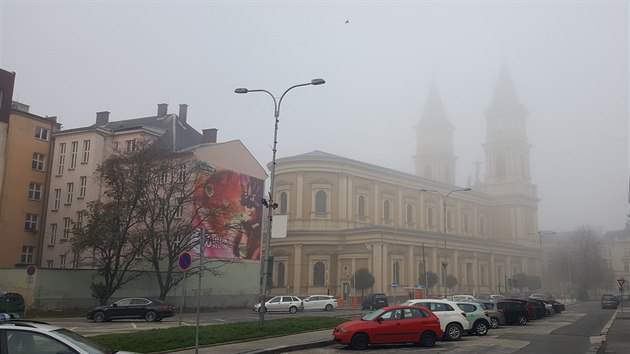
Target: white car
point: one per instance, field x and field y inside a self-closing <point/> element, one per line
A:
<point x="320" y="302"/>
<point x="284" y="303"/>
<point x="460" y="298"/>
<point x="452" y="319"/>
<point x="23" y="336"/>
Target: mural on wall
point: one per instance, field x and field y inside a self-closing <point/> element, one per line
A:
<point x="229" y="213"/>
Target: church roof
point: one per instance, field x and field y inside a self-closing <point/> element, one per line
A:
<point x="434" y="111"/>
<point x="505" y="96"/>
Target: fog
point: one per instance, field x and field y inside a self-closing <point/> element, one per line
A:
<point x="568" y="61"/>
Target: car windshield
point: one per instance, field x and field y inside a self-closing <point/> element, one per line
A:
<point x="81" y="342"/>
<point x="372" y="315"/>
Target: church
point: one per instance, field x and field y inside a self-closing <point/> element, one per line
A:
<point x="345" y="215"/>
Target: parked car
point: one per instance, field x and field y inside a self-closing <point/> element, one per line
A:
<point x="133" y="307"/>
<point x="392" y="324"/>
<point x="549" y="308"/>
<point x="478" y="318"/>
<point x="459" y="298"/>
<point x="320" y="302"/>
<point x="375" y="301"/>
<point x="539" y="307"/>
<point x="284" y="303"/>
<point x="496" y="316"/>
<point x="558" y="307"/>
<point x="452" y="319"/>
<point x="609" y="302"/>
<point x="529" y="306"/>
<point x="12" y="303"/>
<point x="39" y="337"/>
<point x="513" y="311"/>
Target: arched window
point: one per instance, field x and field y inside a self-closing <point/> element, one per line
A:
<point x="280" y="274"/>
<point x="428" y="172"/>
<point x="396" y="272"/>
<point x="386" y="211"/>
<point x="361" y="206"/>
<point x="430" y="221"/>
<point x="320" y="202"/>
<point x="319" y="272"/>
<point x="501" y="166"/>
<point x="283" y="202"/>
<point x="409" y="214"/>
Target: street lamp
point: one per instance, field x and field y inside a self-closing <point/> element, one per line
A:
<point x="444" y="198"/>
<point x="264" y="263"/>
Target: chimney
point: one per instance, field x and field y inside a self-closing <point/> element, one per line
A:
<point x="53" y="119"/>
<point x="183" y="111"/>
<point x="162" y="110"/>
<point x="102" y="118"/>
<point x="209" y="136"/>
<point x="19" y="106"/>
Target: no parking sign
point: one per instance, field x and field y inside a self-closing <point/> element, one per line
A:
<point x="184" y="261"/>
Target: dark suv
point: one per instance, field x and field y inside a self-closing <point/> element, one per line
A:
<point x="609" y="302"/>
<point x="375" y="301"/>
<point x="513" y="311"/>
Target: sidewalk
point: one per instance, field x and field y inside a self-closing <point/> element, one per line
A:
<point x="617" y="338"/>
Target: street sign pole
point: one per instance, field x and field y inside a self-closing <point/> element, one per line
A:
<point x="621" y="281"/>
<point x="181" y="306"/>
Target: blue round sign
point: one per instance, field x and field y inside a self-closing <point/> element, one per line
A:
<point x="185" y="260"/>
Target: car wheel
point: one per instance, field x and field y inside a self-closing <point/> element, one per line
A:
<point x="262" y="309"/>
<point x="150" y="316"/>
<point x="427" y="339"/>
<point x="453" y="331"/>
<point x="99" y="316"/>
<point x="522" y="320"/>
<point x="328" y="307"/>
<point x="494" y="322"/>
<point x="293" y="309"/>
<point x="359" y="341"/>
<point x="481" y="328"/>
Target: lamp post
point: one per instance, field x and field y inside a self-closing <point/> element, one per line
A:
<point x="444" y="198"/>
<point x="542" y="254"/>
<point x="264" y="263"/>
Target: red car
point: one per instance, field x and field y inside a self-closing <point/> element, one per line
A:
<point x="392" y="324"/>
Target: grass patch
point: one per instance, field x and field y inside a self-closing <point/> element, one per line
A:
<point x="158" y="340"/>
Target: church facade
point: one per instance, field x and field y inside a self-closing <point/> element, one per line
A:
<point x="345" y="215"/>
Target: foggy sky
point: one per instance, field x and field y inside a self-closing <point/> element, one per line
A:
<point x="568" y="60"/>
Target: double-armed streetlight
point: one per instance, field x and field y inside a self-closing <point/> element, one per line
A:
<point x="444" y="198"/>
<point x="269" y="203"/>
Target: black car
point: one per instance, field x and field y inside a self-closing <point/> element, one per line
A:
<point x="513" y="311"/>
<point x="375" y="301"/>
<point x="136" y="307"/>
<point x="609" y="302"/>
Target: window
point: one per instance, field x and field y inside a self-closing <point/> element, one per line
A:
<point x="67" y="227"/>
<point x="62" y="261"/>
<point x="62" y="158"/>
<point x="164" y="177"/>
<point x="361" y="206"/>
<point x="179" y="208"/>
<point x="82" y="186"/>
<point x="27" y="254"/>
<point x="41" y="133"/>
<point x="31" y="221"/>
<point x="449" y="220"/>
<point x="73" y="156"/>
<point x="319" y="274"/>
<point x="39" y="161"/>
<point x="79" y="222"/>
<point x="131" y="145"/>
<point x="57" y="199"/>
<point x="53" y="235"/>
<point x="386" y="212"/>
<point x="69" y="193"/>
<point x="35" y="191"/>
<point x="396" y="272"/>
<point x="283" y="202"/>
<point x="49" y="263"/>
<point x="115" y="146"/>
<point x="86" y="151"/>
<point x="320" y="202"/>
<point x="409" y="214"/>
<point x="466" y="223"/>
<point x="430" y="221"/>
<point x="482" y="226"/>
<point x="280" y="281"/>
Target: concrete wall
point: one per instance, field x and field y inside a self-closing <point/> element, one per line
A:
<point x="237" y="286"/>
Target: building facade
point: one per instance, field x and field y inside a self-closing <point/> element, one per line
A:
<point x="344" y="215"/>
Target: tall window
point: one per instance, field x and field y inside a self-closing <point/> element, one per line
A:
<point x="449" y="220"/>
<point x="361" y="206"/>
<point x="430" y="220"/>
<point x="131" y="145"/>
<point x="49" y="263"/>
<point x="39" y="161"/>
<point x="73" y="156"/>
<point x="62" y="158"/>
<point x="41" y="133"/>
<point x="69" y="193"/>
<point x="30" y="224"/>
<point x="409" y="214"/>
<point x="53" y="234"/>
<point x="386" y="211"/>
<point x="319" y="274"/>
<point x="280" y="274"/>
<point x="79" y="222"/>
<point x="27" y="254"/>
<point x="35" y="191"/>
<point x="67" y="227"/>
<point x="396" y="272"/>
<point x="86" y="151"/>
<point x="179" y="208"/>
<point x="283" y="202"/>
<point x="62" y="261"/>
<point x="82" y="186"/>
<point x="320" y="202"/>
<point x="57" y="199"/>
<point x="466" y="223"/>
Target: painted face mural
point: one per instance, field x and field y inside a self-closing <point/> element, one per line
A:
<point x="229" y="212"/>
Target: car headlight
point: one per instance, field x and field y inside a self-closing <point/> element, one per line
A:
<point x="341" y="330"/>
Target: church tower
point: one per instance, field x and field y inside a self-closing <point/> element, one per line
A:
<point x="508" y="177"/>
<point x="434" y="150"/>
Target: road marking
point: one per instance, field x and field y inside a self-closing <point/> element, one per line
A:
<point x="220" y="320"/>
<point x="134" y="325"/>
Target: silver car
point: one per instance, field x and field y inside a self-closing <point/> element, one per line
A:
<point x="320" y="302"/>
<point x="284" y="303"/>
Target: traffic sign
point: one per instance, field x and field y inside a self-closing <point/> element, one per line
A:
<point x="31" y="269"/>
<point x="184" y="261"/>
<point x="621" y="281"/>
<point x="394" y="285"/>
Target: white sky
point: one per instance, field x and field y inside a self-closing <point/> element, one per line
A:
<point x="569" y="63"/>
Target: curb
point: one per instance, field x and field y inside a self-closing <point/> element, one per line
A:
<point x="291" y="348"/>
